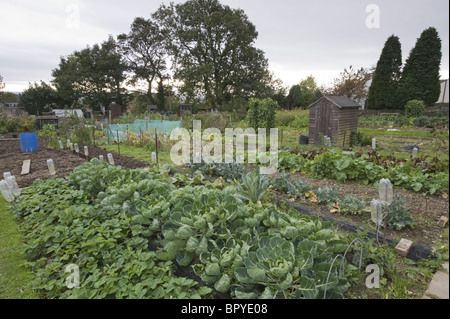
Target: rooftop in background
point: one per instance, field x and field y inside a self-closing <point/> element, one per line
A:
<point x="66" y="113"/>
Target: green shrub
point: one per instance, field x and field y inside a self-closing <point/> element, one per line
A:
<point x="215" y="120"/>
<point x="414" y="108"/>
<point x="401" y="121"/>
<point x="47" y="131"/>
<point x="284" y="118"/>
<point x="359" y="139"/>
<point x="23" y="123"/>
<point x="300" y="122"/>
<point x="421" y="121"/>
<point x="83" y="135"/>
<point x="290" y="117"/>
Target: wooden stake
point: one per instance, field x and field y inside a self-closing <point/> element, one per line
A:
<point x="118" y="142"/>
<point x="156" y="144"/>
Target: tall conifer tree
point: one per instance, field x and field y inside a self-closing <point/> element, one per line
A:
<point x="420" y="77"/>
<point x="383" y="90"/>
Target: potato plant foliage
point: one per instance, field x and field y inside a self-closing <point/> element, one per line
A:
<point x="130" y="231"/>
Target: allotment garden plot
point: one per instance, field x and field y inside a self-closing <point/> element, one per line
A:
<point x="11" y="160"/>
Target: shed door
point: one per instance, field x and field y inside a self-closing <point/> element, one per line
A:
<point x="323" y="122"/>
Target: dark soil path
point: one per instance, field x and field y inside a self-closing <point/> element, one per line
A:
<point x="11" y="160"/>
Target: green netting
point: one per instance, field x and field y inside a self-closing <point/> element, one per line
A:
<point x="119" y="131"/>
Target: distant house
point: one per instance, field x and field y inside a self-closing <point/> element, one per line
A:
<point x="443" y="97"/>
<point x="11" y="109"/>
<point x="335" y="117"/>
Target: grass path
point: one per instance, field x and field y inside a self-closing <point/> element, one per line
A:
<point x="15" y="279"/>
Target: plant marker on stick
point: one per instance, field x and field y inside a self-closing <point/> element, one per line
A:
<point x="6" y="191"/>
<point x="376" y="214"/>
<point x="110" y="159"/>
<point x="15" y="190"/>
<point x="6" y="175"/>
<point x="414" y="152"/>
<point x="51" y="167"/>
<point x="386" y="194"/>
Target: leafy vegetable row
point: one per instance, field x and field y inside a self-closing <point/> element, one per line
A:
<point x="342" y="166"/>
<point x="398" y="215"/>
<point x="129" y="231"/>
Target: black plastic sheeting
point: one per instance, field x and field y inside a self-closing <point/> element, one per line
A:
<point x="410" y="147"/>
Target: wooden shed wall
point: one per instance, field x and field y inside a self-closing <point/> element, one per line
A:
<point x="348" y="122"/>
<point x="323" y="119"/>
<point x="326" y="118"/>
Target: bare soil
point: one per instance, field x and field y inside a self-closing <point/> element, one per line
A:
<point x="11" y="160"/>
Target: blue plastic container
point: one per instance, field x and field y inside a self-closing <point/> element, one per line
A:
<point x="28" y="142"/>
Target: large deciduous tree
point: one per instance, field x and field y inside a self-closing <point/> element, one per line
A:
<point x="420" y="77"/>
<point x="144" y="49"/>
<point x="352" y="83"/>
<point x="213" y="51"/>
<point x="383" y="90"/>
<point x="94" y="74"/>
<point x="39" y="98"/>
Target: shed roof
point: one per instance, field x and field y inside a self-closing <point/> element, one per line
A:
<point x="67" y="112"/>
<point x="340" y="101"/>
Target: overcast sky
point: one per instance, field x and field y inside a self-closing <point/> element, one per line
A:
<point x="299" y="37"/>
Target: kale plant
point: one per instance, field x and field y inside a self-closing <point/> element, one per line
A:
<point x="398" y="215"/>
<point x="327" y="195"/>
<point x="351" y="205"/>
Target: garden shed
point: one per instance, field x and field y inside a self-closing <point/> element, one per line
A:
<point x="184" y="108"/>
<point x="335" y="117"/>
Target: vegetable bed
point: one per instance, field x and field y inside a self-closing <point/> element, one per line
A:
<point x="130" y="232"/>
